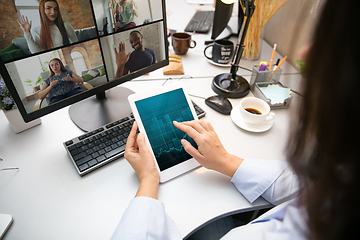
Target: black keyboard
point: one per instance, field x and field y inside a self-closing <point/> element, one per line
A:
<point x="103" y="145"/>
<point x="201" y="22"/>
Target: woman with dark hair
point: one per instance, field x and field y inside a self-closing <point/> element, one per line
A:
<point x="317" y="193"/>
<point x="60" y="83"/>
<point x="53" y="32"/>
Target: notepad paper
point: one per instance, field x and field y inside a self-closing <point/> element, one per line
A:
<point x="276" y="93"/>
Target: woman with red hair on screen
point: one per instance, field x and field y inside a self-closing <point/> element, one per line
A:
<point x="53" y="31"/>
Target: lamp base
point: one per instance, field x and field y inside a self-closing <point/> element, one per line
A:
<point x="226" y="86"/>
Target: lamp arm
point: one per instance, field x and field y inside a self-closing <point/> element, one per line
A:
<point x="250" y="8"/>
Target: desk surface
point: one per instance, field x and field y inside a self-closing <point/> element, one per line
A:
<point x="49" y="200"/>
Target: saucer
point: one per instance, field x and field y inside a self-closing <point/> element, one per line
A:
<point x="237" y="119"/>
<point x="219" y="64"/>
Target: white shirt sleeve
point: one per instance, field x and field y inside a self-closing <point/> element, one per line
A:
<point x="33" y="40"/>
<point x="270" y="179"/>
<point x="145" y="218"/>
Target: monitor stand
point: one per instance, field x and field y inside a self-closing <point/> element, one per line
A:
<point x="96" y="111"/>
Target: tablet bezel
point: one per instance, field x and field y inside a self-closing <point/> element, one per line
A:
<point x="177" y="169"/>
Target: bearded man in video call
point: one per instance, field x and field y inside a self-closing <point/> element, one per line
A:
<point x="139" y="58"/>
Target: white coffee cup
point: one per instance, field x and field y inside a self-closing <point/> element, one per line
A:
<point x="255" y="110"/>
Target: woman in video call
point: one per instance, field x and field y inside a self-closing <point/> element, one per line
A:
<point x="316" y="196"/>
<point x="53" y="32"/>
<point x="60" y="83"/>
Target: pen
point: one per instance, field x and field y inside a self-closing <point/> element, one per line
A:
<point x="277" y="67"/>
<point x="282" y="61"/>
<point x="272" y="56"/>
<point x="277" y="63"/>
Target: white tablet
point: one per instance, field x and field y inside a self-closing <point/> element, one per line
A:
<point x="155" y="111"/>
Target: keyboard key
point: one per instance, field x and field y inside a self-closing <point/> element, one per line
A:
<point x="95" y="155"/>
<point x="79" y="156"/>
<point x="92" y="163"/>
<point x="83" y="160"/>
<point x="115" y="151"/>
<point x="83" y="167"/>
<point x="101" y="158"/>
<point x="75" y="151"/>
<point x="101" y="152"/>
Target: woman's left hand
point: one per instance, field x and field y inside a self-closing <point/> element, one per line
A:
<point x="67" y="78"/>
<point x="141" y="160"/>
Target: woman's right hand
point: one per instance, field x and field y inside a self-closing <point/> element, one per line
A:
<point x="210" y="153"/>
<point x="53" y="82"/>
<point x="25" y="24"/>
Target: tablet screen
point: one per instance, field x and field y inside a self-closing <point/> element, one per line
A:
<point x="157" y="114"/>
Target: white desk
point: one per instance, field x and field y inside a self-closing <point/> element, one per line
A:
<point x="49" y="200"/>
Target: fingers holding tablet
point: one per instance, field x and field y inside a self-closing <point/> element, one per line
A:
<point x="139" y="156"/>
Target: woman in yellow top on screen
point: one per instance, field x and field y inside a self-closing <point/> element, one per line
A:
<point x="53" y="31"/>
<point x="125" y="12"/>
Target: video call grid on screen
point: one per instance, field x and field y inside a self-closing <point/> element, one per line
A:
<point x="157" y="114"/>
<point x="92" y="56"/>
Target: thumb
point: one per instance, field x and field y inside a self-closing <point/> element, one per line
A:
<point x="141" y="142"/>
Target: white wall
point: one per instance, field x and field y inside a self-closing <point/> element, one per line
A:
<point x="143" y="11"/>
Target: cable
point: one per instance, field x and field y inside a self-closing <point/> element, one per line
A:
<point x="196" y="96"/>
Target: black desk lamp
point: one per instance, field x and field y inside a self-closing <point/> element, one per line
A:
<point x="229" y="84"/>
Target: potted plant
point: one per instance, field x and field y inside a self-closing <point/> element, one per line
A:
<point x="8" y="106"/>
<point x="34" y="83"/>
<point x="6" y="100"/>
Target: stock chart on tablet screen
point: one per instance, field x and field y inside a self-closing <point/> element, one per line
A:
<point x="157" y="114"/>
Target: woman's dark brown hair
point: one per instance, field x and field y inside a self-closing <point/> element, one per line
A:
<point x="323" y="148"/>
<point x="45" y="36"/>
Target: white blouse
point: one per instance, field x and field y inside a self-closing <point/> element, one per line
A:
<point x="33" y="38"/>
<point x="145" y="218"/>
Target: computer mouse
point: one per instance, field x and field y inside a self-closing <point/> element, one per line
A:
<point x="219" y="104"/>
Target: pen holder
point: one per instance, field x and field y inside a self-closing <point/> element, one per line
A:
<point x="264" y="76"/>
<point x="266" y="86"/>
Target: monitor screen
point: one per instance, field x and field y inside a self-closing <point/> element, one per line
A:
<point x="222" y="15"/>
<point x="56" y="53"/>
